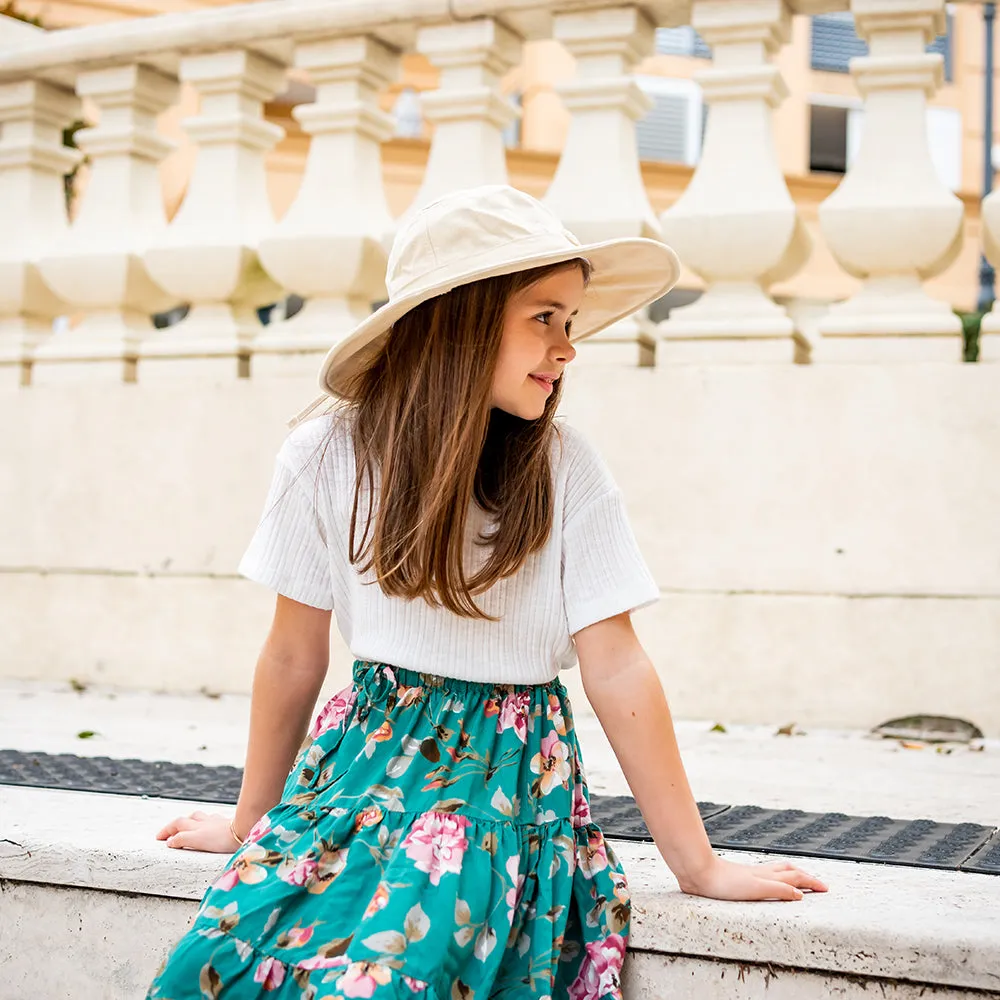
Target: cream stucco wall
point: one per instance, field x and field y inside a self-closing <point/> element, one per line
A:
<point x="824" y="537"/>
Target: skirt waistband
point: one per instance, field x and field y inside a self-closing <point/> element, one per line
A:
<point x="376" y="680"/>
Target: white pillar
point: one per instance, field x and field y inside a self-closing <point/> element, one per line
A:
<point x="736" y="225"/>
<point x="597" y="189"/>
<point x="467" y="110"/>
<point x="98" y="266"/>
<point x="892" y="222"/>
<point x="208" y="255"/>
<point x="33" y="161"/>
<point x="329" y="247"/>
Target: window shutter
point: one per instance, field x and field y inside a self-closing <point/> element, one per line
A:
<point x="662" y="134"/>
<point x="835" y="43"/>
<point x="684" y="41"/>
<point x="701" y="49"/>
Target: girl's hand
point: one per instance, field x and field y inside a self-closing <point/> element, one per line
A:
<point x="200" y="832"/>
<point x="775" y="880"/>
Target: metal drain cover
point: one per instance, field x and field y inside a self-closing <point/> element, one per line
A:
<point x="922" y="843"/>
<point x="160" y="779"/>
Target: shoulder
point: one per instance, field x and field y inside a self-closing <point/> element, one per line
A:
<point x="579" y="468"/>
<point x="316" y="442"/>
<point x="574" y="453"/>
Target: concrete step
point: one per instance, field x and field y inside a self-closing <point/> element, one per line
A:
<point x="90" y="897"/>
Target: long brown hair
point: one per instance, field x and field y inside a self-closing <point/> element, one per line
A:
<point x="423" y="418"/>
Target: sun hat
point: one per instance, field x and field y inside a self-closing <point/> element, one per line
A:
<point x="485" y="231"/>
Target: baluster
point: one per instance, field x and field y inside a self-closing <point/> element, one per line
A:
<point x="597" y="189"/>
<point x="208" y="255"/>
<point x="33" y="161"/>
<point x="329" y="247"/>
<point x="97" y="265"/>
<point x="467" y="110"/>
<point x="892" y="222"/>
<point x="736" y="225"/>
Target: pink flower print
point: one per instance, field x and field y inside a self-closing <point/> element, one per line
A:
<point x="262" y="826"/>
<point x="437" y="843"/>
<point x="362" y="979"/>
<point x="552" y="763"/>
<point x="297" y="937"/>
<point x="324" y="962"/>
<point x="416" y="985"/>
<point x="594" y="857"/>
<point x="517" y="888"/>
<point x="297" y="871"/>
<point x="334" y="712"/>
<point x="513" y="713"/>
<point x="554" y="714"/>
<point x="581" y="808"/>
<point x="601" y="970"/>
<point x="227" y="880"/>
<point x="270" y="973"/>
<point x="378" y="901"/>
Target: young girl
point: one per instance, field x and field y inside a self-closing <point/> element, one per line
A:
<point x="433" y="839"/>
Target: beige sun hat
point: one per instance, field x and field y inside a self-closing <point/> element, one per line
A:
<point x="483" y="232"/>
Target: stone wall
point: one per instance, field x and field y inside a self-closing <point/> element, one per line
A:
<point x="827" y="538"/>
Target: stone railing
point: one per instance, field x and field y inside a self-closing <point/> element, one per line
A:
<point x="891" y="222"/>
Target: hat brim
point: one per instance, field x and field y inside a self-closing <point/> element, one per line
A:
<point x="628" y="273"/>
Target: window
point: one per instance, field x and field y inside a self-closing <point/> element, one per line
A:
<point x="672" y="131"/>
<point x="683" y="41"/>
<point x="835" y="43"/>
<point x="835" y="138"/>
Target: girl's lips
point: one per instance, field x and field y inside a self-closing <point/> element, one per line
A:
<point x="544" y="383"/>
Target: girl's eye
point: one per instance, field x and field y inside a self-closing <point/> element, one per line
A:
<point x="544" y="318"/>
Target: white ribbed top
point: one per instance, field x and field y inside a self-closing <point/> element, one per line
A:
<point x="590" y="568"/>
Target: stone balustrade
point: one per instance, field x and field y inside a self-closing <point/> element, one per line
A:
<point x="891" y="222"/>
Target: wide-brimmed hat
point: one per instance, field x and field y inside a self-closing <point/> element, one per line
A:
<point x="483" y="232"/>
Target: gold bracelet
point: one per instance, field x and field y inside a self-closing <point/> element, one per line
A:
<point x="232" y="829"/>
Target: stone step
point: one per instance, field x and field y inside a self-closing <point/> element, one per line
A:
<point x="90" y="897"/>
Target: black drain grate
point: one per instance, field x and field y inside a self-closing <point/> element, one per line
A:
<point x="160" y="779"/>
<point x="620" y="814"/>
<point x="919" y="843"/>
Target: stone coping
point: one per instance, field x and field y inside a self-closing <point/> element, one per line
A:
<point x="883" y="922"/>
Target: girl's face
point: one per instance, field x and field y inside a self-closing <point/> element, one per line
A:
<point x="535" y="347"/>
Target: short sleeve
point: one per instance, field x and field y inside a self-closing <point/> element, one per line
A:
<point x="288" y="552"/>
<point x="604" y="572"/>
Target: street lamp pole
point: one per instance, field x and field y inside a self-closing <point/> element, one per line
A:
<point x="986" y="273"/>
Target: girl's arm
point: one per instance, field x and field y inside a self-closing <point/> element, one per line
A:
<point x="625" y="692"/>
<point x="289" y="675"/>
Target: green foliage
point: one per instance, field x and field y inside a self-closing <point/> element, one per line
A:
<point x="971" y="322"/>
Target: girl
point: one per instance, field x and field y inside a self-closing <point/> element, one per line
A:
<point x="433" y="839"/>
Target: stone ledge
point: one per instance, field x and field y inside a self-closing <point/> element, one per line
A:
<point x="878" y="922"/>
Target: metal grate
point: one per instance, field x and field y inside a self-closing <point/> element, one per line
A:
<point x="920" y="843"/>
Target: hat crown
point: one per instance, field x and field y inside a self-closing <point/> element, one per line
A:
<point x="455" y="232"/>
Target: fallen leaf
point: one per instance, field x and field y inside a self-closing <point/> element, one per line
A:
<point x="78" y="686"/>
<point x="86" y="734"/>
<point x="786" y="730"/>
<point x="907" y="745"/>
<point x="718" y="728"/>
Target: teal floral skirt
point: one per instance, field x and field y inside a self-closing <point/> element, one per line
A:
<point x="434" y="842"/>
